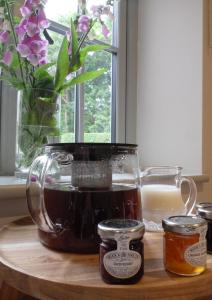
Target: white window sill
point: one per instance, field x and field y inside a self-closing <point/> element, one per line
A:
<point x="12" y="197"/>
<point x="11" y="187"/>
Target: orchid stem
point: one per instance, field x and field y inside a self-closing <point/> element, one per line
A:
<point x="84" y="37"/>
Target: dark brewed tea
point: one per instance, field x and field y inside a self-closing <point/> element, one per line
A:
<point x="78" y="213"/>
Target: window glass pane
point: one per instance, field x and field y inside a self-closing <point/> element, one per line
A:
<point x="53" y="49"/>
<point x="61" y="11"/>
<point x="67" y="120"/>
<point x="97" y="29"/>
<point x="97" y="103"/>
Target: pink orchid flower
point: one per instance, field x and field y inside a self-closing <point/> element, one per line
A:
<point x="21" y="29"/>
<point x="83" y="23"/>
<point x="35" y="3"/>
<point x="42" y="20"/>
<point x="25" y="11"/>
<point x="107" y="11"/>
<point x="29" y="4"/>
<point x="105" y="31"/>
<point x="43" y="61"/>
<point x="32" y="29"/>
<point x="37" y="59"/>
<point x="7" y="58"/>
<point x="43" y="57"/>
<point x="37" y="46"/>
<point x="96" y="11"/>
<point x="33" y="59"/>
<point x="23" y="49"/>
<point x="4" y="37"/>
<point x="43" y="52"/>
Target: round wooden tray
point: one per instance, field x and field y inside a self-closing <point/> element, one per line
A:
<point x="45" y="274"/>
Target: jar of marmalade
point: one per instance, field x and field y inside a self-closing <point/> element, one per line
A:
<point x="185" y="245"/>
<point x="206" y="213"/>
<point x="121" y="250"/>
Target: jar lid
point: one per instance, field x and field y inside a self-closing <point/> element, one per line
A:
<point x="109" y="228"/>
<point x="205" y="212"/>
<point x="203" y="204"/>
<point x="183" y="224"/>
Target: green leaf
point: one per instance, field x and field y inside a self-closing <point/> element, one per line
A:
<point x="79" y="61"/>
<point x="75" y="56"/>
<point x="5" y="67"/>
<point x="15" y="62"/>
<point x="16" y="19"/>
<point x="15" y="82"/>
<point x="93" y="48"/>
<point x="83" y="77"/>
<point x="45" y="83"/>
<point x="62" y="64"/>
<point x="42" y="68"/>
<point x="43" y="80"/>
<point x="74" y="39"/>
<point x="43" y="75"/>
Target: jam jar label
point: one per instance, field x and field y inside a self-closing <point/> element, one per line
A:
<point x="196" y="254"/>
<point x="122" y="263"/>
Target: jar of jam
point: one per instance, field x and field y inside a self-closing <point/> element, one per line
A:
<point x="121" y="250"/>
<point x="185" y="245"/>
<point x="206" y="213"/>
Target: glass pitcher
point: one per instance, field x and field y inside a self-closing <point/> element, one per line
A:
<point x="162" y="196"/>
<point x="73" y="187"/>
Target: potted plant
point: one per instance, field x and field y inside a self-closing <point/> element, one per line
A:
<point x="24" y="43"/>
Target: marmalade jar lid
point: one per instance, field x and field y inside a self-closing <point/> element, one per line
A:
<point x="205" y="212"/>
<point x="183" y="224"/>
<point x="108" y="229"/>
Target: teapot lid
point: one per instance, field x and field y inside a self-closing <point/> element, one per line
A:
<point x="92" y="151"/>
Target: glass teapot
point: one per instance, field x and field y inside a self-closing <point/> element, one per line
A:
<point x="162" y="195"/>
<point x="72" y="187"/>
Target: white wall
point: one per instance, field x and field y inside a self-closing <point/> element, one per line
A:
<point x="169" y="116"/>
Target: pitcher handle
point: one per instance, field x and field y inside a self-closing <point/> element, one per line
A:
<point x="38" y="210"/>
<point x="192" y="197"/>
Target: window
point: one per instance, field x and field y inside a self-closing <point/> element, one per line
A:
<point x="82" y="119"/>
<point x="86" y="111"/>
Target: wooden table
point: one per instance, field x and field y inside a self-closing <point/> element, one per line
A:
<point x="29" y="267"/>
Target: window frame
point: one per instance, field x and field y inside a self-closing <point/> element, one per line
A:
<point x="125" y="94"/>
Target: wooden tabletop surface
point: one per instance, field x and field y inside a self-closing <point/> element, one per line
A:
<point x="45" y="274"/>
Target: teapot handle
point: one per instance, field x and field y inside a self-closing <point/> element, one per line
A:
<point x="192" y="197"/>
<point x="35" y="195"/>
